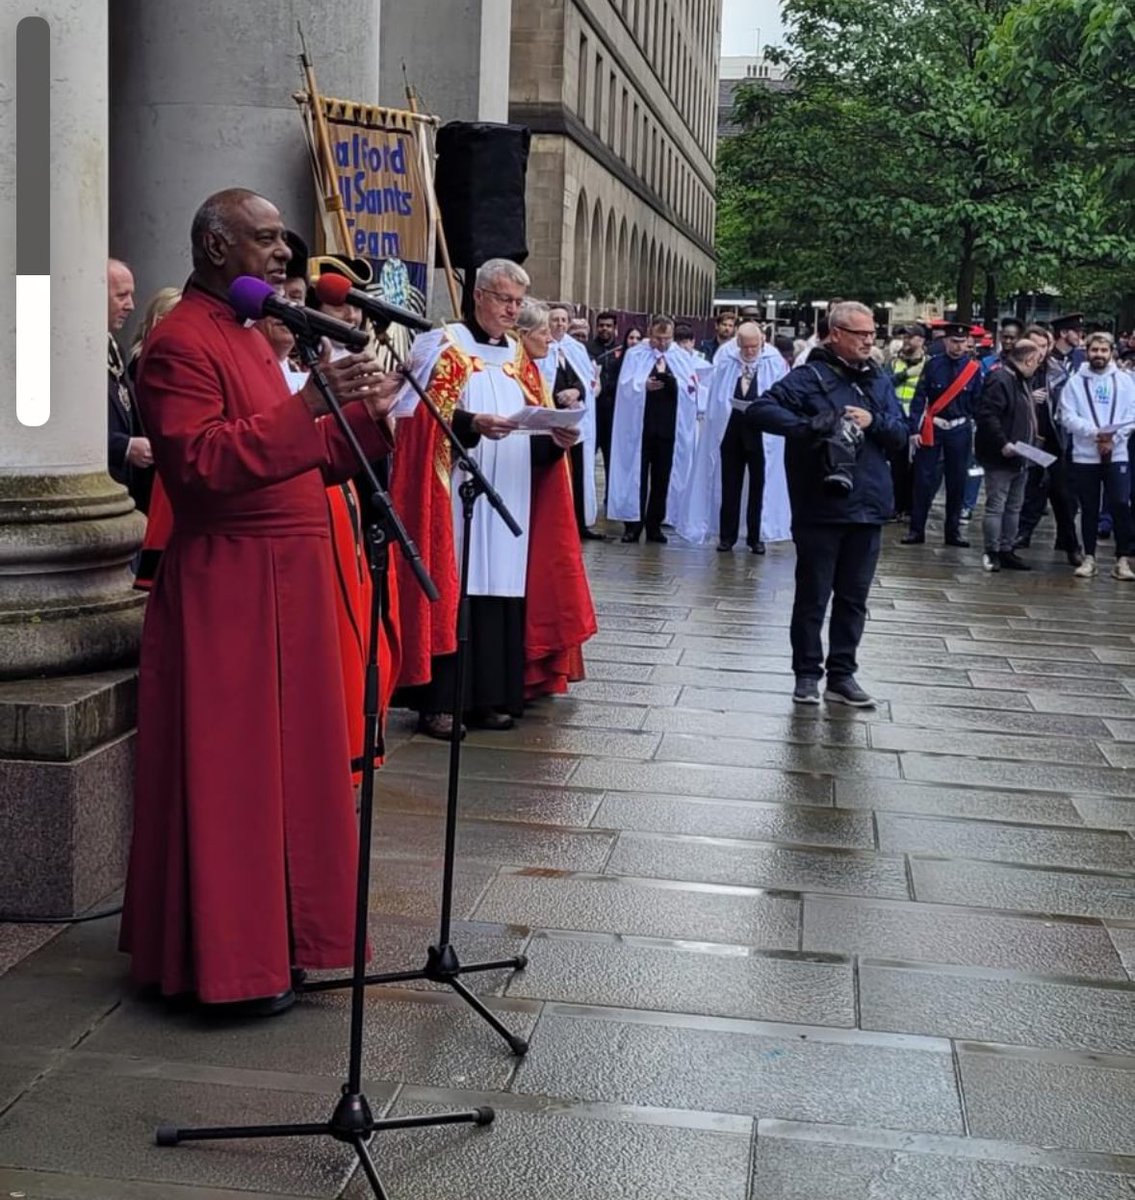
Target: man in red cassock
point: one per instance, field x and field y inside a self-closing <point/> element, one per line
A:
<point x="245" y="840"/>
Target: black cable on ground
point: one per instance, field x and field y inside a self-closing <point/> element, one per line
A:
<point x="102" y="914"/>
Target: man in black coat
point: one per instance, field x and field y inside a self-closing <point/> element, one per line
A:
<point x="1006" y="418"/>
<point x="840" y="420"/>
<point x="129" y="460"/>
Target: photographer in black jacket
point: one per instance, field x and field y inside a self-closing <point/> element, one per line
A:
<point x="839" y="418"/>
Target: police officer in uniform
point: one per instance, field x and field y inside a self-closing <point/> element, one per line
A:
<point x="941" y="430"/>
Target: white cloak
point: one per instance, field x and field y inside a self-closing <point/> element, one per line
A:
<point x="498" y="561"/>
<point x="580" y="362"/>
<point x="700" y="513"/>
<point x="623" y="501"/>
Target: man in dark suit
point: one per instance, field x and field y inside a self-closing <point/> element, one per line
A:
<point x="129" y="460"/>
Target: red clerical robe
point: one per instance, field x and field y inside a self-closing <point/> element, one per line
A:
<point x="245" y="840"/>
<point x="558" y="615"/>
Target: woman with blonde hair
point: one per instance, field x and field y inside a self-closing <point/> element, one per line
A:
<point x="161" y="302"/>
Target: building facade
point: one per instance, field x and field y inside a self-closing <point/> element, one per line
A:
<point x="620" y="97"/>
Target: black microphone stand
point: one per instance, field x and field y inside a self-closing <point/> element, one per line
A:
<point x="352" y="1120"/>
<point x="442" y="962"/>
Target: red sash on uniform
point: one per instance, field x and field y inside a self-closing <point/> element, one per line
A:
<point x="946" y="399"/>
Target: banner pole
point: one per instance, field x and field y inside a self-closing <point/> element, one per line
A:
<point x="435" y="213"/>
<point x="332" y="201"/>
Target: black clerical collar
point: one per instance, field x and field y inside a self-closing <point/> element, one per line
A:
<point x="480" y="336"/>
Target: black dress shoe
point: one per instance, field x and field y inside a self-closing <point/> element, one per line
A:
<point x="261" y="1006"/>
<point x="589" y="535"/>
<point x="757" y="547"/>
<point x="437" y="725"/>
<point x="724" y="547"/>
<point x="960" y="542"/>
<point x="913" y="539"/>
<point x="657" y="536"/>
<point x="1011" y="562"/>
<point x="629" y="538"/>
<point x="495" y="722"/>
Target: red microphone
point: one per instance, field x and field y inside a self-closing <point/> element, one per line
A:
<point x="337" y="289"/>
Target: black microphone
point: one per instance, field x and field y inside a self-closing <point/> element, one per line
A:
<point x="253" y="299"/>
<point x="336" y="289"/>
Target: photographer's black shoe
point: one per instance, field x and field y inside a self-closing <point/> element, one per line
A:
<point x="807" y="690"/>
<point x="913" y="539"/>
<point x="847" y="691"/>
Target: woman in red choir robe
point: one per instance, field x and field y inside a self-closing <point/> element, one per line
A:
<point x="245" y="840"/>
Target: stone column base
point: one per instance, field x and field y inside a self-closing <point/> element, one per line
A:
<point x="66" y="790"/>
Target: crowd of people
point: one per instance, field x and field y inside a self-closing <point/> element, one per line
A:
<point x="257" y="628"/>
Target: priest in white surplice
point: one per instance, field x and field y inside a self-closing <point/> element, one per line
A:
<point x="743" y="369"/>
<point x="653" y="436"/>
<point x="473" y="370"/>
<point x="573" y="381"/>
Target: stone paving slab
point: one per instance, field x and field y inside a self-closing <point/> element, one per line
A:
<point x="741" y="1067"/>
<point x="1001" y="885"/>
<point x="1033" y="844"/>
<point x="977" y="1004"/>
<point x="753" y="820"/>
<point x="547" y="739"/>
<point x="819" y="760"/>
<point x="1050" y="777"/>
<point x="817" y="729"/>
<point x="944" y="801"/>
<point x="795" y="1161"/>
<point x="689" y="977"/>
<point x="775" y="703"/>
<point x="493" y="800"/>
<point x="989" y="745"/>
<point x="1050" y="1098"/>
<point x="967" y="937"/>
<point x="753" y="864"/>
<point x="647" y="908"/>
<point x="945" y="719"/>
<point x="574" y="1154"/>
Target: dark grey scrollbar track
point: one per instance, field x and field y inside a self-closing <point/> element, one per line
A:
<point x="33" y="147"/>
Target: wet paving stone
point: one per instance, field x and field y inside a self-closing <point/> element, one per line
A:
<point x="98" y="1121"/>
<point x="1111" y="851"/>
<point x="938" y="800"/>
<point x="486" y="800"/>
<point x="565" y="710"/>
<point x="557" y="1156"/>
<point x="1067" y="685"/>
<point x="988" y="745"/>
<point x="753" y="820"/>
<point x="690" y="779"/>
<point x="966" y="937"/>
<point x="775" y="703"/>
<point x="1027" y="889"/>
<point x="1050" y="1098"/>
<point x="645" y="908"/>
<point x="750" y="1069"/>
<point x="599" y="671"/>
<point x="814" y="729"/>
<point x="723" y="751"/>
<point x="625" y="693"/>
<point x="1091" y="706"/>
<point x="794" y="1161"/>
<point x="1044" y="777"/>
<point x="481" y="762"/>
<point x="975" y="1004"/>
<point x="684" y="978"/>
<point x="496" y="843"/>
<point x="1106" y="812"/>
<point x="550" y="739"/>
<point x="405" y="888"/>
<point x="423" y="1037"/>
<point x="717" y="860"/>
<point x="939" y="717"/>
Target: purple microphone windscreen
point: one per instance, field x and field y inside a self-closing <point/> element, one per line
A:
<point x="247" y="295"/>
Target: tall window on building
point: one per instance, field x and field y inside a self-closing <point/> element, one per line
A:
<point x="581" y="87"/>
<point x="636" y="164"/>
<point x="612" y="111"/>
<point x="597" y="116"/>
<point x="624" y="143"/>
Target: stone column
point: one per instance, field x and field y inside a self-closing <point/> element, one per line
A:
<point x="67" y="532"/>
<point x="201" y="100"/>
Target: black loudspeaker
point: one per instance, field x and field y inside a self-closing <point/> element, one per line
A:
<point x="481" y="169"/>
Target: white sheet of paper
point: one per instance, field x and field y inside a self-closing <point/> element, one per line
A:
<point x="533" y="419"/>
<point x="1041" y="457"/>
<point x="741" y="405"/>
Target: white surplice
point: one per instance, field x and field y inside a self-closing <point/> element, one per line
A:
<point x="700" y="511"/>
<point x="623" y="499"/>
<point x="580" y="362"/>
<point x="498" y="562"/>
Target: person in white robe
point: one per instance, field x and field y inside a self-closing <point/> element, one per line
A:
<point x="742" y="370"/>
<point x="653" y="435"/>
<point x="573" y="380"/>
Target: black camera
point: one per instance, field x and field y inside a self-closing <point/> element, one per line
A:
<point x="839" y="445"/>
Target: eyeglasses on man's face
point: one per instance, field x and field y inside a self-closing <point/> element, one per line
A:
<point x="858" y="333"/>
<point x="502" y="299"/>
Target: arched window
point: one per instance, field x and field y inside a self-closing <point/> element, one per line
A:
<point x="611" y="262"/>
<point x="621" y="291"/>
<point x="593" y="295"/>
<point x="580" y="249"/>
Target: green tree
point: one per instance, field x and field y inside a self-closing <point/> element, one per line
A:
<point x="895" y="162"/>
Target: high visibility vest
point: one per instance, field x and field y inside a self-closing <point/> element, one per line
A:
<point x="906" y="380"/>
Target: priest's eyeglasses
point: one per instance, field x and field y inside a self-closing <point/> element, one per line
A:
<point x="501" y="298"/>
